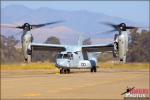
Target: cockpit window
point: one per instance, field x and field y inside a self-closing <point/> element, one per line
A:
<point x="66" y="56"/>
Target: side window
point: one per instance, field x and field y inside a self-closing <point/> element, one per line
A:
<point x="70" y="56"/>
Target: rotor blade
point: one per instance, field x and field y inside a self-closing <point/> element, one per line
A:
<point x="20" y="27"/>
<point x="45" y="24"/>
<point x="133" y="27"/>
<point x="130" y="27"/>
<point x="110" y="24"/>
<point x="108" y="32"/>
<point x="9" y="26"/>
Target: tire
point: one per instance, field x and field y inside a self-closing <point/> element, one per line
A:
<point x="92" y="69"/>
<point x="65" y="71"/>
<point x="68" y="71"/>
<point x="95" y="70"/>
<point x="61" y="71"/>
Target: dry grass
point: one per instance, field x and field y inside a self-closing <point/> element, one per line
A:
<point x="136" y="66"/>
<point x="48" y="66"/>
<point x="31" y="66"/>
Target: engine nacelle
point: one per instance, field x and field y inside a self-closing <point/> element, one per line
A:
<point x="121" y="46"/>
<point x="27" y="38"/>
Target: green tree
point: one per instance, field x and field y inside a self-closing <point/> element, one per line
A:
<point x="52" y="40"/>
<point x="87" y="41"/>
<point x="139" y="47"/>
<point x="9" y="52"/>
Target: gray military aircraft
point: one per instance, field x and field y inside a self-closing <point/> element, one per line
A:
<point x="75" y="57"/>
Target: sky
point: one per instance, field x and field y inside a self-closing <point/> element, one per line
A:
<point x="137" y="11"/>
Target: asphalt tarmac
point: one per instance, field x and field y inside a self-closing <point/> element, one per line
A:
<point x="80" y="84"/>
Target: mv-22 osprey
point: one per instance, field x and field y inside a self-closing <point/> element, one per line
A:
<point x="75" y="57"/>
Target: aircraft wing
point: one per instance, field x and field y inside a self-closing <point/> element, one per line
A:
<point x="52" y="47"/>
<point x="98" y="48"/>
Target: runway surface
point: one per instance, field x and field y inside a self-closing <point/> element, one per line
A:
<point x="105" y="84"/>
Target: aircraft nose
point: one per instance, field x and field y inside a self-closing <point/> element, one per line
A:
<point x="62" y="63"/>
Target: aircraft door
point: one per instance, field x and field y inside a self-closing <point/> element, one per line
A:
<point x="70" y="59"/>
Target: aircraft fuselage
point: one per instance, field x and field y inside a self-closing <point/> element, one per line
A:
<point x="73" y="59"/>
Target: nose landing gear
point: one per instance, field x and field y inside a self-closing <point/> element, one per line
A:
<point x="64" y="71"/>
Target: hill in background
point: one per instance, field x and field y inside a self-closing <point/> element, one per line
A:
<point x="75" y="23"/>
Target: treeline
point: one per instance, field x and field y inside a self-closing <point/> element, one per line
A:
<point x="9" y="52"/>
<point x="139" y="46"/>
<point x="139" y="49"/>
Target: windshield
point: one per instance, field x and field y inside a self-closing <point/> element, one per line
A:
<point x="65" y="56"/>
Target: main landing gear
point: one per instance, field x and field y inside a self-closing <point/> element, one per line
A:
<point x="64" y="71"/>
<point x="93" y="69"/>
